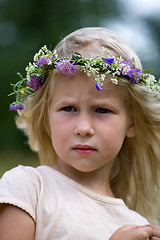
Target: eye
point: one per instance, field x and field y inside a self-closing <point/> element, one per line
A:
<point x="69" y="109"/>
<point x="103" y="110"/>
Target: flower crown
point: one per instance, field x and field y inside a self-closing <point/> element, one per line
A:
<point x="45" y="61"/>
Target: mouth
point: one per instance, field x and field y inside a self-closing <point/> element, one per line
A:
<point x="84" y="149"/>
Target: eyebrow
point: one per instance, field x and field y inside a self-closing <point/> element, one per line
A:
<point x="103" y="102"/>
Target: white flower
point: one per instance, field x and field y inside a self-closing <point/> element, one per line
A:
<point x="114" y="80"/>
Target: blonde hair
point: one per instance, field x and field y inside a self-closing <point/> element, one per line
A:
<point x="135" y="173"/>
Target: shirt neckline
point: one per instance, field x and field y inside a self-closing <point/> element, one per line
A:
<point x="84" y="189"/>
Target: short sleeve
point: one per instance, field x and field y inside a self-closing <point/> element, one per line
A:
<point x="21" y="187"/>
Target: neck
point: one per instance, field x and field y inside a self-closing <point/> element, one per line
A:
<point x="96" y="181"/>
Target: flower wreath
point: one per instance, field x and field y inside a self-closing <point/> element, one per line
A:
<point x="45" y="61"/>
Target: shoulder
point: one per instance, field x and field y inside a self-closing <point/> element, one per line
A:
<point x="25" y="177"/>
<point x="21" y="187"/>
<point x="21" y="175"/>
<point x="20" y="171"/>
<point x="134" y="217"/>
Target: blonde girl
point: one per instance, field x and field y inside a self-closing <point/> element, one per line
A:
<point x="93" y="115"/>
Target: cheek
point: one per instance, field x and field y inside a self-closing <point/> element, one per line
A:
<point x="57" y="139"/>
<point x="111" y="146"/>
<point x="112" y="137"/>
<point x="60" y="132"/>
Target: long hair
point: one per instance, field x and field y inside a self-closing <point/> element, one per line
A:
<point x="135" y="174"/>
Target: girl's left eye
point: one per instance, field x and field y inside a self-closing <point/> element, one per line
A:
<point x="68" y="109"/>
<point x="103" y="110"/>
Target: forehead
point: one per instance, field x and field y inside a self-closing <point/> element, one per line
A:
<point x="80" y="87"/>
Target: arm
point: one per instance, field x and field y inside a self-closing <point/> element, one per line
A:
<point x="15" y="223"/>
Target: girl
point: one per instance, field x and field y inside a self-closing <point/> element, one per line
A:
<point x="93" y="115"/>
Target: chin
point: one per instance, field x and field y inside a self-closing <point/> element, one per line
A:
<point x="85" y="169"/>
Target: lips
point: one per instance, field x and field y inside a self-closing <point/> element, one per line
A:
<point x="84" y="149"/>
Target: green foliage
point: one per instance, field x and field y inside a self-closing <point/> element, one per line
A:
<point x="14" y="158"/>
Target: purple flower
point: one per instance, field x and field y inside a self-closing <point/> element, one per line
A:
<point x="128" y="69"/>
<point x="16" y="106"/>
<point x="137" y="74"/>
<point x="34" y="83"/>
<point x="65" y="67"/>
<point x="42" y="61"/>
<point x="98" y="86"/>
<point x="108" y="60"/>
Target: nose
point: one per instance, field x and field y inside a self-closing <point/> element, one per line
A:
<point x="84" y="126"/>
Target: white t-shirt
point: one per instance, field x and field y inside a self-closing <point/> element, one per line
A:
<point x="62" y="208"/>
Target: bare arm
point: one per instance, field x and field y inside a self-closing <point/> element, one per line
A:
<point x="15" y="224"/>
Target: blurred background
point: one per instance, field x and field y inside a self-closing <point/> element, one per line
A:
<point x="27" y="25"/>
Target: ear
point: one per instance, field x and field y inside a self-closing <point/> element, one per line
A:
<point x="131" y="131"/>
